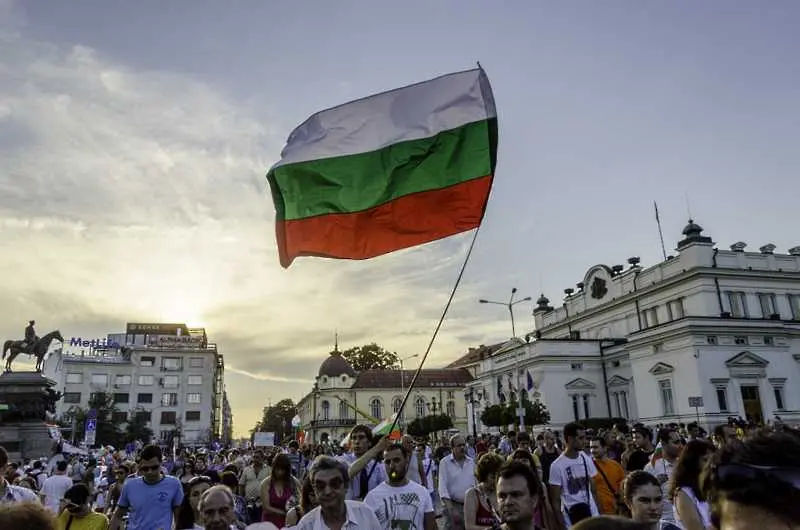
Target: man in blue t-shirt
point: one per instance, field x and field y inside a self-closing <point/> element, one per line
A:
<point x="152" y="498"/>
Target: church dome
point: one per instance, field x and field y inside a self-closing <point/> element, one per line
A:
<point x="335" y="365"/>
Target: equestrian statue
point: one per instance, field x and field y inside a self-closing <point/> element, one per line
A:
<point x="30" y="345"/>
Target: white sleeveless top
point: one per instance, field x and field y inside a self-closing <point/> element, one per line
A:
<point x="702" y="508"/>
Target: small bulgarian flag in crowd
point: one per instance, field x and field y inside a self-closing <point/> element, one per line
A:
<point x="382" y="429"/>
<point x="387" y="172"/>
<point x="658" y="454"/>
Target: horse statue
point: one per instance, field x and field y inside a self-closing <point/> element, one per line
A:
<point x="39" y="349"/>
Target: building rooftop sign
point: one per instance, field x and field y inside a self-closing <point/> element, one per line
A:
<point x="176" y="341"/>
<point x="137" y="328"/>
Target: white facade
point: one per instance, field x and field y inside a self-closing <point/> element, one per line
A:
<point x="719" y="325"/>
<point x="177" y="384"/>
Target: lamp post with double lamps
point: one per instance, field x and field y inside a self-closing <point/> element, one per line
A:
<point x="510" y="306"/>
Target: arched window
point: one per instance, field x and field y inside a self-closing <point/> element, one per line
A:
<point x="344" y="410"/>
<point x="419" y="405"/>
<point x="375" y="409"/>
<point x="396" y="403"/>
<point x="451" y="409"/>
<point x="326" y="410"/>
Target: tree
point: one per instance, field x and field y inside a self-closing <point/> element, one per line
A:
<point x="277" y="418"/>
<point x="137" y="428"/>
<point x="429" y="424"/>
<point x="536" y="413"/>
<point x="495" y="416"/>
<point x="370" y="357"/>
<point x="108" y="430"/>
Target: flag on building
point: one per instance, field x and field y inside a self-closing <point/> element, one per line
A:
<point x="529" y="380"/>
<point x="387" y="172"/>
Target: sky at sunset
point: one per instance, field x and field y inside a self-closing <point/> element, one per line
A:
<point x="135" y="136"/>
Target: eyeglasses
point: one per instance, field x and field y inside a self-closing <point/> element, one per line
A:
<point x="741" y="472"/>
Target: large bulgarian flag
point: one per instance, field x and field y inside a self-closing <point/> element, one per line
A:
<point x="387" y="172"/>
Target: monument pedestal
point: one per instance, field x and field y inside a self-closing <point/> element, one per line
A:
<point x="28" y="397"/>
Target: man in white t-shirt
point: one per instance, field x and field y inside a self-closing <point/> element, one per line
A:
<point x="399" y="502"/>
<point x="571" y="485"/>
<point x="55" y="487"/>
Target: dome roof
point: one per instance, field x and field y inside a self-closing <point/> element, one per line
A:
<point x="335" y="365"/>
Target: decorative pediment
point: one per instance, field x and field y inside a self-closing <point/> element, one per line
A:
<point x="618" y="380"/>
<point x="580" y="384"/>
<point x="661" y="369"/>
<point x="746" y="359"/>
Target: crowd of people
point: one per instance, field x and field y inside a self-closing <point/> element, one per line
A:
<point x="671" y="477"/>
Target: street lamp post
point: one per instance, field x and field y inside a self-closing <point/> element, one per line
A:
<point x="518" y="365"/>
<point x="400" y="361"/>
<point x="469" y="395"/>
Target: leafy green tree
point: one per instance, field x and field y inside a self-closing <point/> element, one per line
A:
<point x="536" y="413"/>
<point x="108" y="431"/>
<point x="370" y="357"/>
<point x="429" y="424"/>
<point x="495" y="416"/>
<point x="277" y="418"/>
<point x="137" y="428"/>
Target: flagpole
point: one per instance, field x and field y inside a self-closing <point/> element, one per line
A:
<point x="436" y="330"/>
<point x="660" y="232"/>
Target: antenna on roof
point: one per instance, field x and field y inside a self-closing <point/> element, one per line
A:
<point x="336" y="341"/>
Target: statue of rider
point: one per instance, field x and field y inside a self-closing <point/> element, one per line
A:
<point x="30" y="336"/>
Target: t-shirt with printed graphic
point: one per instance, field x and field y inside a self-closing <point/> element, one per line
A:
<point x="570" y="475"/>
<point x="400" y="507"/>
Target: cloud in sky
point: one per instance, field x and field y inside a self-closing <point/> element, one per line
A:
<point x="130" y="195"/>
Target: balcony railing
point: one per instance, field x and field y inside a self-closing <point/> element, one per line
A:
<point x="318" y="424"/>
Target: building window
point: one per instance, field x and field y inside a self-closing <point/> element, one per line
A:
<point x="168" y="417"/>
<point x="575" y="408"/>
<point x="375" y="408"/>
<point x="326" y="410"/>
<point x="72" y="397"/>
<point x="144" y="398"/>
<point x="738" y="304"/>
<point x="576" y="366"/>
<point x="193" y="398"/>
<point x="711" y="339"/>
<point x="615" y="364"/>
<point x="192" y="415"/>
<point x="147" y="361"/>
<point x="100" y="379"/>
<point x="675" y="309"/>
<point x="171" y="364"/>
<point x="396" y="404"/>
<point x="195" y="362"/>
<point x="650" y="317"/>
<point x="740" y="340"/>
<point x="170" y="381"/>
<point x="419" y="406"/>
<point x="667" y="402"/>
<point x="722" y="398"/>
<point x="658" y="347"/>
<point x="624" y="399"/>
<point x="779" y="401"/>
<point x="769" y="306"/>
<point x="794" y="304"/>
<point x="195" y="380"/>
<point x="146" y="380"/>
<point x="451" y="409"/>
<point x="144" y="415"/>
<point x="122" y="380"/>
<point x="75" y="378"/>
<point x="121" y="398"/>
<point x="451" y="394"/>
<point x="169" y="399"/>
<point x="586" y="412"/>
<point x="769" y="341"/>
<point x="119" y="417"/>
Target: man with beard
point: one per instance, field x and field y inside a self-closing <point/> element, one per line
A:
<point x="518" y="496"/>
<point x="330" y="480"/>
<point x="399" y="502"/>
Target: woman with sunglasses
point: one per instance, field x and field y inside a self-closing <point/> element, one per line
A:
<point x="691" y="508"/>
<point x="188" y="513"/>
